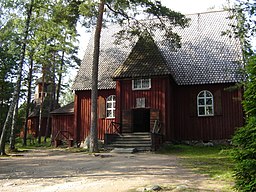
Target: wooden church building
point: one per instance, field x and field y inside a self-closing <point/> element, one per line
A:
<point x="185" y="93"/>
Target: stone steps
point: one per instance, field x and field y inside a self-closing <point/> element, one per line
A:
<point x="138" y="141"/>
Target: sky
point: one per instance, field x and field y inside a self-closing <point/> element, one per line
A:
<point x="183" y="6"/>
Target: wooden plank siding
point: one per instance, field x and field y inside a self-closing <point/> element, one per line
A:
<point x="62" y="122"/>
<point x="176" y="106"/>
<point x="156" y="98"/>
<point x="83" y="114"/>
<point x="228" y="113"/>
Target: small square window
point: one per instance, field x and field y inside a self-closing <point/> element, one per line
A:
<point x="140" y="102"/>
<point x="140" y="84"/>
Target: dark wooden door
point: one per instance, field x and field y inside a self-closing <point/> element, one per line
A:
<point x="141" y="120"/>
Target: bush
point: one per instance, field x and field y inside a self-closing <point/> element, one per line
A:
<point x="244" y="154"/>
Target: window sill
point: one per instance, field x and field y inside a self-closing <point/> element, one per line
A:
<point x="141" y="89"/>
<point x="110" y="117"/>
<point x="205" y="115"/>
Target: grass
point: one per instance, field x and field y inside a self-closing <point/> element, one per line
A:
<point x="214" y="161"/>
<point x="33" y="144"/>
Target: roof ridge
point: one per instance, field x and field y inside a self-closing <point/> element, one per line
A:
<point x="206" y="12"/>
<point x="187" y="14"/>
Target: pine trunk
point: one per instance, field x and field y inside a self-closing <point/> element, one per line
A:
<point x="94" y="91"/>
<point x="12" y="136"/>
<point x="28" y="99"/>
<point x="40" y="121"/>
<point x="60" y="78"/>
<point x="18" y="84"/>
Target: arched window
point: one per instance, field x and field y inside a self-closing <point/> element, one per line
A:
<point x="111" y="106"/>
<point x="205" y="103"/>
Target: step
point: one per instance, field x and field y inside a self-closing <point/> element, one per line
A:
<point x="137" y="134"/>
<point x="137" y="149"/>
<point x="132" y="139"/>
<point x="129" y="145"/>
<point x="139" y="140"/>
<point x="124" y="150"/>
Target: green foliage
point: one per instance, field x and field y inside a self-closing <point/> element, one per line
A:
<point x="249" y="102"/>
<point x="244" y="139"/>
<point x="32" y="144"/>
<point x="129" y="15"/>
<point x="245" y="156"/>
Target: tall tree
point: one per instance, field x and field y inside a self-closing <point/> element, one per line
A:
<point x="124" y="12"/>
<point x="52" y="23"/>
<point x="244" y="139"/>
<point x="28" y="102"/>
<point x="16" y="93"/>
<point x="94" y="91"/>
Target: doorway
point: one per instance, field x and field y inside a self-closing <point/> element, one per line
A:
<point x="141" y="120"/>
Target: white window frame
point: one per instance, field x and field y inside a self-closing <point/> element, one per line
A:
<point x="112" y="101"/>
<point x="205" y="106"/>
<point x="140" y="82"/>
<point x="141" y="102"/>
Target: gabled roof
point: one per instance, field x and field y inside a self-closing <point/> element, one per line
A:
<point x="205" y="57"/>
<point x="67" y="109"/>
<point x="144" y="60"/>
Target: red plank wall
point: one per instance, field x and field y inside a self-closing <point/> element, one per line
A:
<point x="157" y="97"/>
<point x="227" y="117"/>
<point x="83" y="114"/>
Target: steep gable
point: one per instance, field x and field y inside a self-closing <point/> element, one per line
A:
<point x="145" y="60"/>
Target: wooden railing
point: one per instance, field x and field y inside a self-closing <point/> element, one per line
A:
<point x="114" y="128"/>
<point x="63" y="135"/>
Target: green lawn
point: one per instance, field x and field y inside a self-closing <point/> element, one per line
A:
<point x="31" y="144"/>
<point x="215" y="161"/>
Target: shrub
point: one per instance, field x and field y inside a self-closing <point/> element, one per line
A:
<point x="244" y="154"/>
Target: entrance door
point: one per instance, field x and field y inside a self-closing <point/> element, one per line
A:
<point x="141" y="120"/>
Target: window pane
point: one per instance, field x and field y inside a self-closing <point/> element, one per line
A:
<point x="209" y="110"/>
<point x="109" y="105"/>
<point x="201" y="94"/>
<point x="201" y="110"/>
<point x="209" y="101"/>
<point x="109" y="113"/>
<point x="137" y="83"/>
<point x="208" y="94"/>
<point x="145" y="83"/>
<point x="201" y="102"/>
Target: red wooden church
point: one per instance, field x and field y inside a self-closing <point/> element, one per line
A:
<point x="151" y="86"/>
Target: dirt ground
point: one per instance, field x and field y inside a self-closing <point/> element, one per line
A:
<point x="62" y="171"/>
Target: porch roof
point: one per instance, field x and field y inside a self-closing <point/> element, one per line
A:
<point x="67" y="109"/>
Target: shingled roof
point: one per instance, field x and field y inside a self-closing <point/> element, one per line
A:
<point x="205" y="57"/>
<point x="67" y="109"/>
<point x="144" y="60"/>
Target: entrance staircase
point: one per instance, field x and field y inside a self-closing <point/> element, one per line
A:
<point x="140" y="141"/>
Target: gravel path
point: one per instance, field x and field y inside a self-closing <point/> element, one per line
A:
<point x="61" y="171"/>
